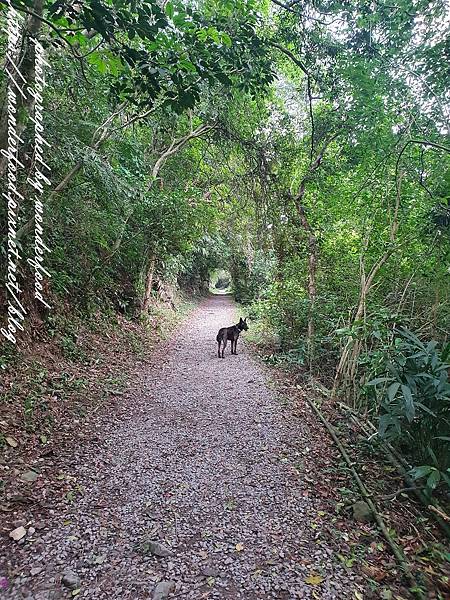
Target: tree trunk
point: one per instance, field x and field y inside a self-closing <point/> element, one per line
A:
<point x="24" y="62"/>
<point x="435" y="311"/>
<point x="313" y="246"/>
<point x="148" y="286"/>
<point x="313" y="253"/>
<point x="312" y="293"/>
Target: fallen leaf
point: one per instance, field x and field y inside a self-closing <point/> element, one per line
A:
<point x="18" y="534"/>
<point x="11" y="441"/>
<point x="239" y="547"/>
<point x="314" y="579"/>
<point x="373" y="572"/>
<point x="76" y="592"/>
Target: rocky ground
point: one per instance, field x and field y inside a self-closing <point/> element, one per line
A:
<point x="204" y="482"/>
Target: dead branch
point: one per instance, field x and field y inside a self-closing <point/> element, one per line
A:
<point x="396" y="549"/>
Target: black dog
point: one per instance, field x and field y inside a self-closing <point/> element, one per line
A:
<point x="230" y="333"/>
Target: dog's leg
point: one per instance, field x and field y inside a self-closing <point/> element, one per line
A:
<point x="218" y="349"/>
<point x="224" y="344"/>
<point x="235" y="346"/>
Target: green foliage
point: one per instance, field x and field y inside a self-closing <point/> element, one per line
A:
<point x="251" y="276"/>
<point x="413" y="390"/>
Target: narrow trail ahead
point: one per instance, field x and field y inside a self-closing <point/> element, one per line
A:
<point x="200" y="457"/>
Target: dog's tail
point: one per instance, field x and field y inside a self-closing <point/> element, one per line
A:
<point x="219" y="336"/>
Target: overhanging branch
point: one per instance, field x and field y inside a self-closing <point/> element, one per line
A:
<point x="292" y="57"/>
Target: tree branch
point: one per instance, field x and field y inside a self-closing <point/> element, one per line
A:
<point x="285" y="6"/>
<point x="175" y="146"/>
<point x="292" y="56"/>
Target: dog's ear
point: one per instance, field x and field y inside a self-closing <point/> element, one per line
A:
<point x="245" y="320"/>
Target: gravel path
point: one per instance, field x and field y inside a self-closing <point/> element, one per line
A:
<point x="200" y="459"/>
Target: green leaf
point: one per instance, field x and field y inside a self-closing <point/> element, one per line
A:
<point x="392" y="390"/>
<point x="433" y="479"/>
<point x="379" y="380"/>
<point x="386" y="424"/>
<point x="409" y="403"/>
<point x="170" y="10"/>
<point x="445" y="352"/>
<point x="426" y="409"/>
<point x="226" y="40"/>
<point x="419" y="472"/>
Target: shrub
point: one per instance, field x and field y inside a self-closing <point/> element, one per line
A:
<point x="413" y="391"/>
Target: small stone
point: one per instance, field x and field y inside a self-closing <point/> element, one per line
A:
<point x="362" y="512"/>
<point x="18" y="533"/>
<point x="163" y="589"/>
<point x="156" y="549"/>
<point x="35" y="571"/>
<point x="70" y="580"/>
<point x="210" y="572"/>
<point x="29" y="476"/>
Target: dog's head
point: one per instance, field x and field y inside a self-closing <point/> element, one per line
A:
<point x="243" y="324"/>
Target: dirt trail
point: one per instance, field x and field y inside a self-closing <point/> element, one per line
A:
<point x="200" y="457"/>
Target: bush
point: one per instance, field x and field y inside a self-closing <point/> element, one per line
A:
<point x="413" y="392"/>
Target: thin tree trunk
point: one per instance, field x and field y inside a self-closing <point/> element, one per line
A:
<point x="435" y="310"/>
<point x="313" y="252"/>
<point x="313" y="246"/>
<point x="25" y="65"/>
<point x="346" y="369"/>
<point x="175" y="146"/>
<point x="312" y="289"/>
<point x="148" y="286"/>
